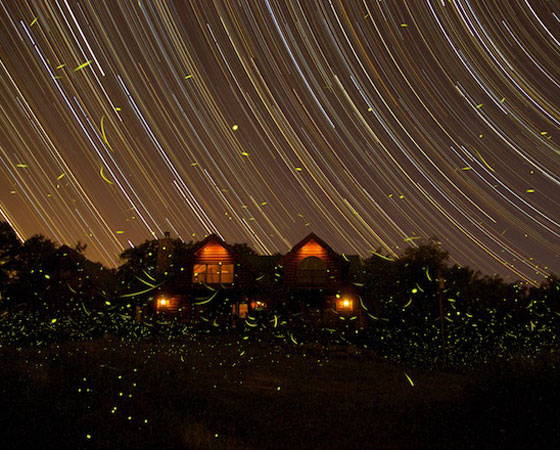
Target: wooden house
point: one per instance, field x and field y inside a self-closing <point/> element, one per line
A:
<point x="211" y="277"/>
<point x="317" y="280"/>
<point x="213" y="280"/>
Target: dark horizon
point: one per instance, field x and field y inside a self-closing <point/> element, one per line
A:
<point x="372" y="124"/>
<point x="363" y="259"/>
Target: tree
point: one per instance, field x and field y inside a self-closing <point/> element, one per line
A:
<point x="139" y="258"/>
<point x="33" y="269"/>
<point x="138" y="272"/>
<point x="10" y="247"/>
<point x="427" y="255"/>
<point x="378" y="278"/>
<point x="243" y="250"/>
<point x="80" y="248"/>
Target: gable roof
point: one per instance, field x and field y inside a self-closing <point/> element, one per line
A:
<point x="217" y="239"/>
<point x="213" y="238"/>
<point x="305" y="240"/>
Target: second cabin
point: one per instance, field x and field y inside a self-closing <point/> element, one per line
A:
<point x="312" y="264"/>
<point x="319" y="280"/>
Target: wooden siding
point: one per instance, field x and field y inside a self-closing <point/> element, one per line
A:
<point x="312" y="248"/>
<point x="213" y="252"/>
<point x="168" y="304"/>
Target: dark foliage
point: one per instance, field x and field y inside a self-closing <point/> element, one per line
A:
<point x="243" y="250"/>
<point x="51" y="293"/>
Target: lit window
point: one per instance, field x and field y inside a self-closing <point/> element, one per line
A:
<point x="167" y="304"/>
<point x="243" y="309"/>
<point x="199" y="273"/>
<point x="227" y="274"/>
<point x="213" y="273"/>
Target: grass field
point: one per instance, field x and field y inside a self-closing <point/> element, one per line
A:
<point x="216" y="392"/>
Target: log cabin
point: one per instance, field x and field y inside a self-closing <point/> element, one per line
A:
<point x="211" y="277"/>
<point x="317" y="279"/>
<point x="312" y="278"/>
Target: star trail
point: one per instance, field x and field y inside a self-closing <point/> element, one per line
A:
<point x="371" y="123"/>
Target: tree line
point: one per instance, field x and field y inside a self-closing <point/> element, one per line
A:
<point x="414" y="305"/>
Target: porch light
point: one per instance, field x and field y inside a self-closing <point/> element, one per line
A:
<point x="345" y="304"/>
<point x="162" y="302"/>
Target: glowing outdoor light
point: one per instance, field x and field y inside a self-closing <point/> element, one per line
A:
<point x="345" y="303"/>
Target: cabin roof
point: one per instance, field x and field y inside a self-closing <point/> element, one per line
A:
<point x="214" y="238"/>
<point x="211" y="238"/>
<point x="217" y="239"/>
<point x="305" y="240"/>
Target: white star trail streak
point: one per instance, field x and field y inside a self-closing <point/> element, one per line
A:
<point x="370" y="123"/>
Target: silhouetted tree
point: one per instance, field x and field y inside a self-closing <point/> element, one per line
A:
<point x="377" y="276"/>
<point x="10" y="247"/>
<point x="244" y="250"/>
<point x="139" y="259"/>
<point x="403" y="293"/>
<point x="34" y="269"/>
<point x="411" y="276"/>
<point x="549" y="292"/>
<point x="138" y="272"/>
<point x="80" y="248"/>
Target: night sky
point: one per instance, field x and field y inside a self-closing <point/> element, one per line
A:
<point x="371" y="123"/>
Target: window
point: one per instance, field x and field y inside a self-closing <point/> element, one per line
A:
<point x="168" y="304"/>
<point x="213" y="273"/>
<point x="311" y="271"/>
<point x="241" y="310"/>
<point x="227" y="273"/>
<point x="199" y="273"/>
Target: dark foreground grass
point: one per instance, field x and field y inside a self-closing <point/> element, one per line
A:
<point x="213" y="393"/>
